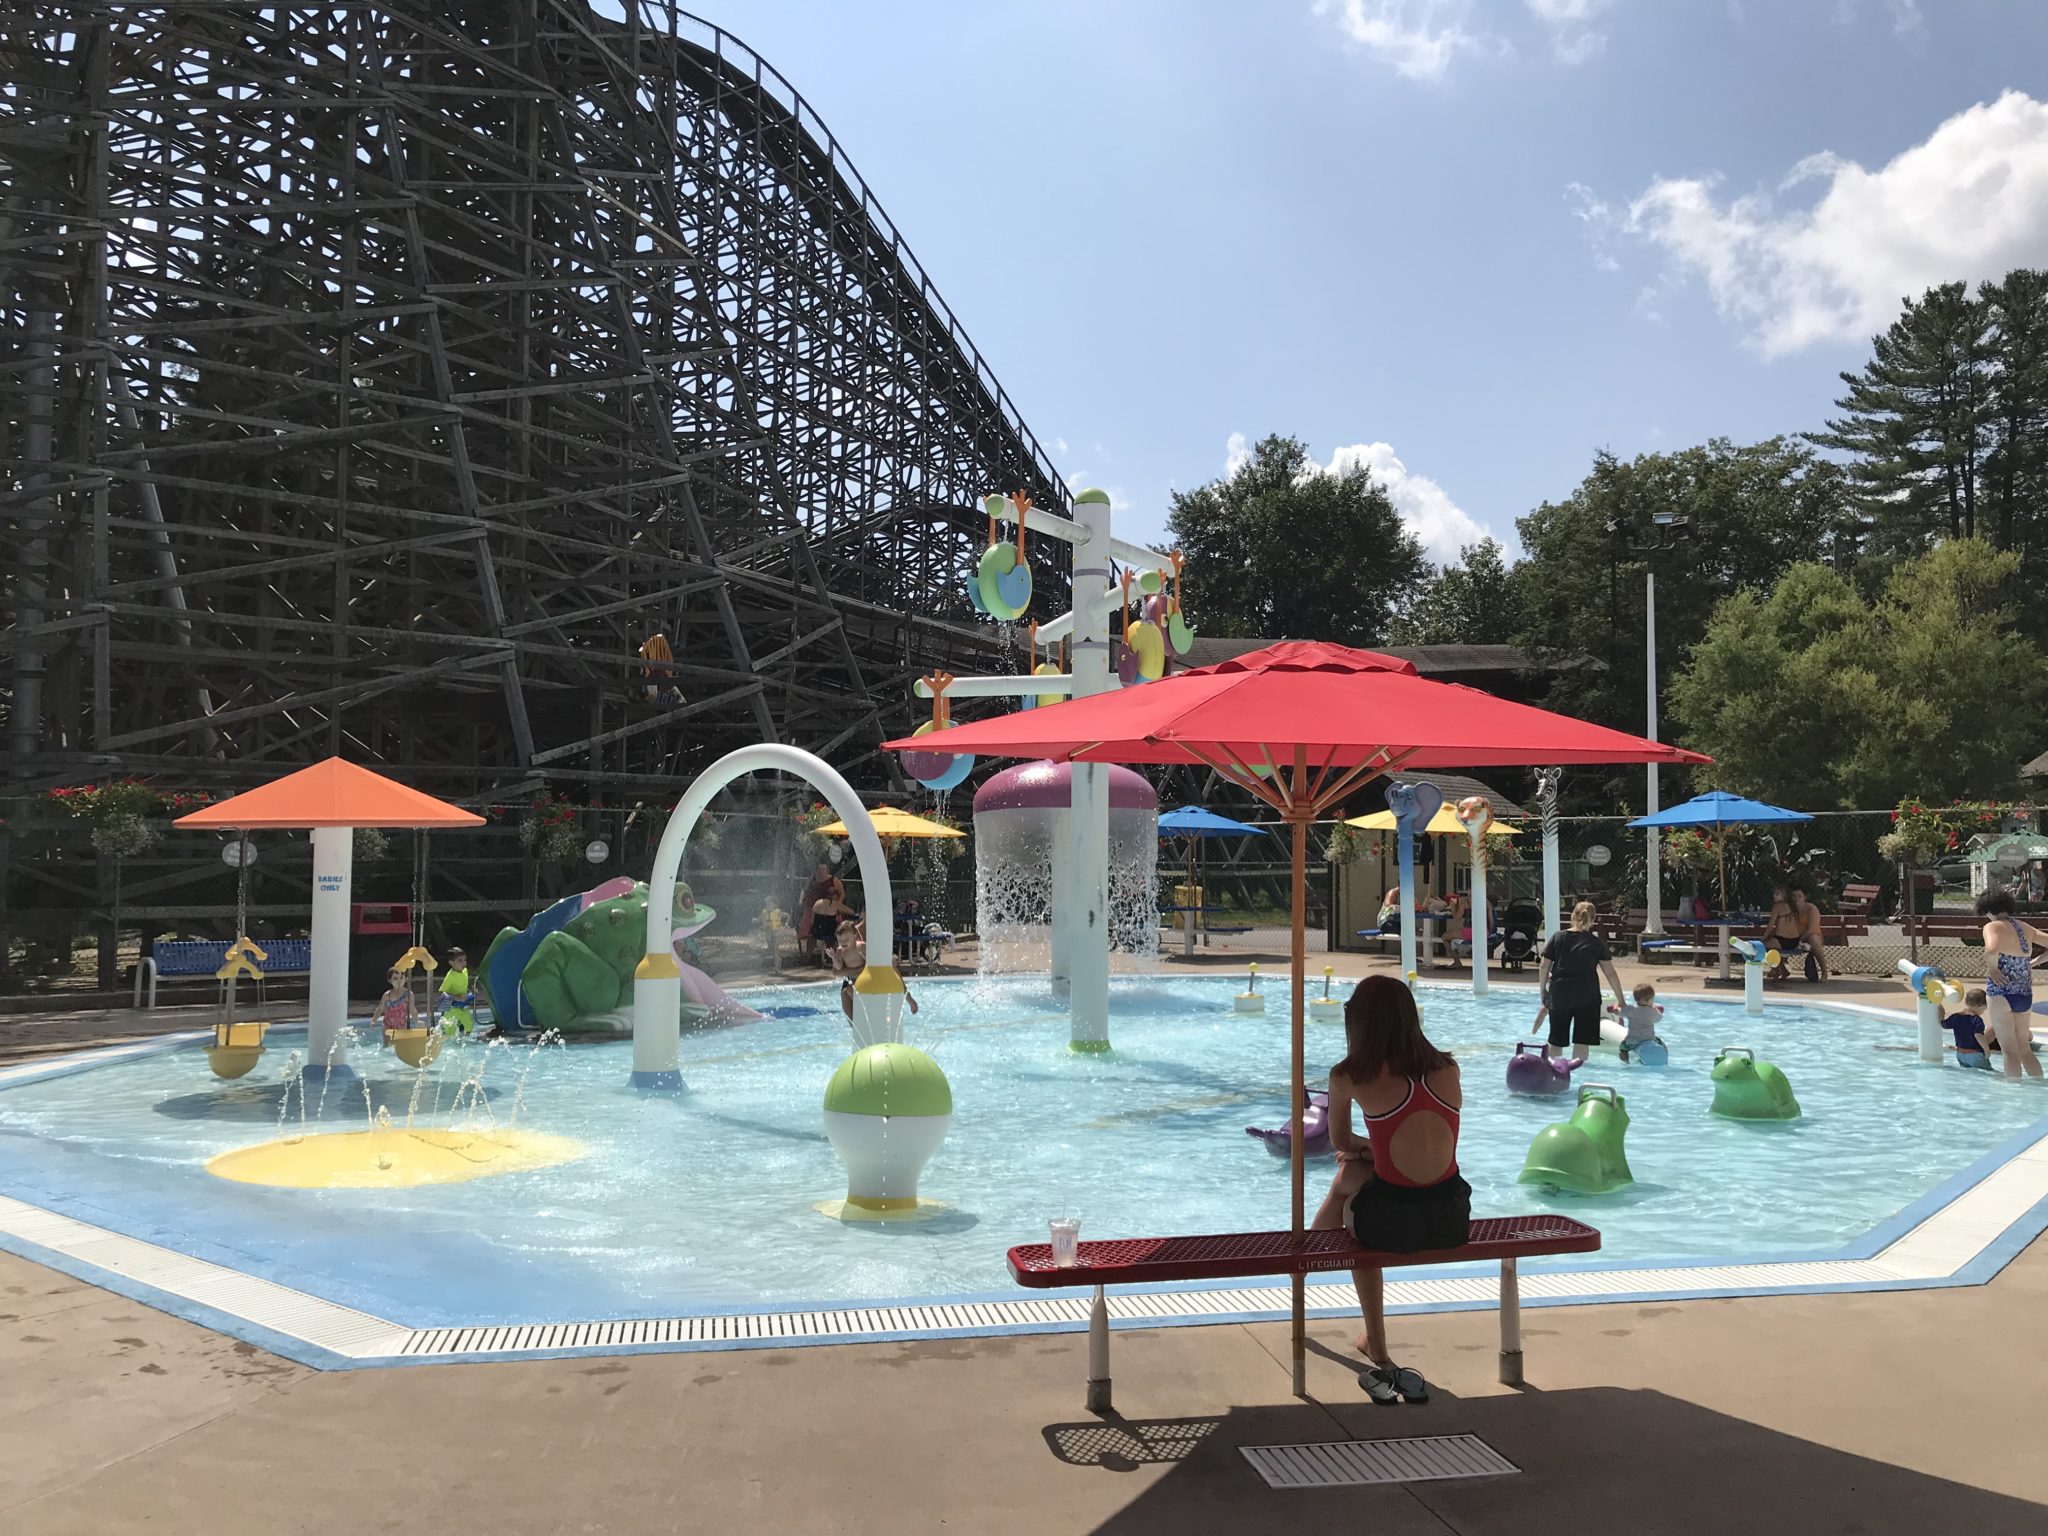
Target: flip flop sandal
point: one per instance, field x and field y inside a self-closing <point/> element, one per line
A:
<point x="1379" y="1384"/>
<point x="1412" y="1387"/>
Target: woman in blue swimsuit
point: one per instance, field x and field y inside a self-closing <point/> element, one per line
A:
<point x="2009" y="989"/>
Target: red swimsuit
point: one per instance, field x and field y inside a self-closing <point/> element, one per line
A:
<point x="1420" y="1100"/>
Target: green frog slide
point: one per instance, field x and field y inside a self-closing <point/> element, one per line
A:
<point x="1748" y="1089"/>
<point x="1584" y="1155"/>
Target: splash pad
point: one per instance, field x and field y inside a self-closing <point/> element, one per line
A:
<point x="392" y="1158"/>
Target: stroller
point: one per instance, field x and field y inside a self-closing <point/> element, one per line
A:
<point x="1521" y="933"/>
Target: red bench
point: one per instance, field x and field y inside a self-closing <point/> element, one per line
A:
<point x="1230" y="1256"/>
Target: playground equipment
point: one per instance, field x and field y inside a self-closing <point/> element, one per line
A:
<point x="1538" y="1075"/>
<point x="1081" y="904"/>
<point x="1748" y="1089"/>
<point x="331" y="799"/>
<point x="658" y="978"/>
<point x="1930" y="990"/>
<point x="886" y="1111"/>
<point x="1326" y="1009"/>
<point x="1585" y="1154"/>
<point x="1315" y="1129"/>
<point x="1758" y="956"/>
<point x="1023" y="855"/>
<point x="571" y="967"/>
<point x="1475" y="815"/>
<point x="236" y="1046"/>
<point x="578" y="975"/>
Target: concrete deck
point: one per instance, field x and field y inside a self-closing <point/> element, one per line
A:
<point x="1896" y="1413"/>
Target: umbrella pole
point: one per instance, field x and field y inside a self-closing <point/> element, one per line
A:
<point x="1297" y="817"/>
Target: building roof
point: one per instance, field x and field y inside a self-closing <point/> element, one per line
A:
<point x="1429" y="660"/>
<point x="2037" y="769"/>
<point x="1457" y="786"/>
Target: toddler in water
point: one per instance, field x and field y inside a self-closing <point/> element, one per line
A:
<point x="1641" y="1017"/>
<point x="1969" y="1028"/>
<point x="394" y="1008"/>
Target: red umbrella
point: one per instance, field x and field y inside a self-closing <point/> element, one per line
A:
<point x="1301" y="725"/>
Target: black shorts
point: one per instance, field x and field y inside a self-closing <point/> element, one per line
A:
<point x="1576" y="1021"/>
<point x="824" y="931"/>
<point x="1394" y="1218"/>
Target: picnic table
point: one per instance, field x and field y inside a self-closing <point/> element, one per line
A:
<point x="1428" y="928"/>
<point x="1188" y="929"/>
<point x="1721" y="923"/>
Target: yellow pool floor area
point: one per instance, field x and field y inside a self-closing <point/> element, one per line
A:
<point x="395" y="1157"/>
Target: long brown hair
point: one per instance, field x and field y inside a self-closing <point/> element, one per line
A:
<point x="1383" y="1033"/>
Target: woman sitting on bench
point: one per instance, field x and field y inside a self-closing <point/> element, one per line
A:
<point x="1794" y="926"/>
<point x="1398" y="1191"/>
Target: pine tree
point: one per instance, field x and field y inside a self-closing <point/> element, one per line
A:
<point x="2016" y="468"/>
<point x="1916" y="421"/>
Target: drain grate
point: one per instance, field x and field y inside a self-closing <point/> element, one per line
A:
<point x="1348" y="1463"/>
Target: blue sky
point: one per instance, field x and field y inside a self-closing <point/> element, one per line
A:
<point x="1468" y="242"/>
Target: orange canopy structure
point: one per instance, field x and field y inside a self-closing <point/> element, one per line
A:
<point x="330" y="794"/>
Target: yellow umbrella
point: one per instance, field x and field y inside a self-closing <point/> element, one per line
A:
<point x="890" y="822"/>
<point x="1443" y="824"/>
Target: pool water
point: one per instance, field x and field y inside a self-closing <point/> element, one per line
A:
<point x="706" y="1201"/>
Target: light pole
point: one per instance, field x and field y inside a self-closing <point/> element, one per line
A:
<point x="1670" y="528"/>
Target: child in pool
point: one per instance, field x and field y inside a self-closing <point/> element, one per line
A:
<point x="846" y="999"/>
<point x="394" y="1008"/>
<point x="1968" y="1026"/>
<point x="1641" y="1017"/>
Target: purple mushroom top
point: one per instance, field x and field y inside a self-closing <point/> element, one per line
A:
<point x="1050" y="786"/>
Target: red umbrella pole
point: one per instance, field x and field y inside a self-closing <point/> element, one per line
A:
<point x="1298" y="819"/>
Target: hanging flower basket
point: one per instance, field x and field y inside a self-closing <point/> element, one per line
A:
<point x="118" y="813"/>
<point x="549" y="831"/>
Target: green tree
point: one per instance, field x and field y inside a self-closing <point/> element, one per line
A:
<point x="1916" y="421"/>
<point x="2016" y="467"/>
<point x="1281" y="547"/>
<point x="1815" y="697"/>
<point x="1750" y="511"/>
<point x="1475" y="602"/>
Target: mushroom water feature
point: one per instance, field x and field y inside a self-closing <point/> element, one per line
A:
<point x="1024" y="842"/>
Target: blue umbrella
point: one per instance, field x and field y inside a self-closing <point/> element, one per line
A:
<point x="1717" y="808"/>
<point x="1194" y="821"/>
<point x="1191" y="822"/>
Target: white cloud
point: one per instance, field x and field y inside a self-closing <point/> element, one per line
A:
<point x="1418" y="38"/>
<point x="1905" y="14"/>
<point x="1237" y="453"/>
<point x="1573" y="36"/>
<point x="1969" y="203"/>
<point x="1425" y="507"/>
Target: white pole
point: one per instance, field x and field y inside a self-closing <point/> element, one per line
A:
<point x="327" y="1005"/>
<point x="1087" y="910"/>
<point x="1553" y="883"/>
<point x="1653" y="865"/>
<point x="1409" y="923"/>
<point x="1477" y="832"/>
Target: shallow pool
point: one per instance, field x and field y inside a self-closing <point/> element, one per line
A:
<point x="705" y="1201"/>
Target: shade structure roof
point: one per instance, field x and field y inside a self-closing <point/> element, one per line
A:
<point x="1347" y="708"/>
<point x="1199" y="821"/>
<point x="1718" y="808"/>
<point x="1444" y="823"/>
<point x="891" y="822"/>
<point x="330" y="794"/>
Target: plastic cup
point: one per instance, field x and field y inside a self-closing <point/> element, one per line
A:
<point x="1066" y="1241"/>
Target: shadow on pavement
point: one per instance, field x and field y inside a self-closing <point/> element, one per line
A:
<point x="1590" y="1459"/>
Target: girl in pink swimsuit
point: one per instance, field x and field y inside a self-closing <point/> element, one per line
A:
<point x="1398" y="1190"/>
